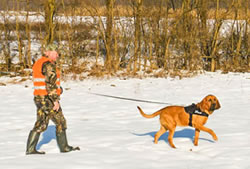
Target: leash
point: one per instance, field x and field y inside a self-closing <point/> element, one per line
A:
<point x="129" y="99"/>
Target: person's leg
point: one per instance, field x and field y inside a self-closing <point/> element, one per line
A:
<point x="32" y="142"/>
<point x="41" y="125"/>
<point x="61" y="136"/>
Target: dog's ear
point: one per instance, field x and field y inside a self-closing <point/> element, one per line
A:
<point x="204" y="105"/>
<point x="217" y="104"/>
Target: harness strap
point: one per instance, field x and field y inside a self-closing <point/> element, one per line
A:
<point x="190" y="119"/>
<point x="193" y="109"/>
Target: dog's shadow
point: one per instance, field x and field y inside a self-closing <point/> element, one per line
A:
<point x="185" y="133"/>
<point x="47" y="136"/>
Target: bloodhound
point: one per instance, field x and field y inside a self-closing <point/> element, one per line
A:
<point x="195" y="115"/>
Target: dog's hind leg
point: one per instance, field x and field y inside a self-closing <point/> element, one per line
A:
<point x="159" y="133"/>
<point x="170" y="137"/>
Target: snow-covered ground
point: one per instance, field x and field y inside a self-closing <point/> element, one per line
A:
<point x="113" y="135"/>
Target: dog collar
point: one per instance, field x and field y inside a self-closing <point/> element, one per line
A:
<point x="193" y="109"/>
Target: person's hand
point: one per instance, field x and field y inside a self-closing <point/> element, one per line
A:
<point x="56" y="106"/>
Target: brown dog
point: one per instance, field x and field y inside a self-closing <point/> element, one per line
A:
<point x="195" y="115"/>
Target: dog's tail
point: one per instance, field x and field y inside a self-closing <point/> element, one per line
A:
<point x="148" y="115"/>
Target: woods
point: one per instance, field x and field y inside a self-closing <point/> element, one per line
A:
<point x="158" y="38"/>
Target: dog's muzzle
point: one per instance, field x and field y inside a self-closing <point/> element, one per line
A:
<point x="213" y="107"/>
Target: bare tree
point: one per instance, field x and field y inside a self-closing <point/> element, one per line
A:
<point x="108" y="37"/>
<point x="19" y="40"/>
<point x="50" y="9"/>
<point x="137" y="37"/>
<point x="6" y="29"/>
<point x="28" y="34"/>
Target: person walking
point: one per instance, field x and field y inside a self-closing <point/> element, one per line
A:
<point x="47" y="91"/>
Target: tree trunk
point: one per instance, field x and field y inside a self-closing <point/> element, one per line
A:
<point x="50" y="9"/>
<point x="19" y="40"/>
<point x="109" y="29"/>
<point x="215" y="37"/>
<point x="137" y="41"/>
<point x="28" y="29"/>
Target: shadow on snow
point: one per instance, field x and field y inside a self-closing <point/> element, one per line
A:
<point x="185" y="133"/>
<point x="48" y="135"/>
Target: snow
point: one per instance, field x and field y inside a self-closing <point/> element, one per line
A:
<point x="113" y="135"/>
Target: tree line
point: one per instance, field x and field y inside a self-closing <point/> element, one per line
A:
<point x="175" y="4"/>
<point x="157" y="37"/>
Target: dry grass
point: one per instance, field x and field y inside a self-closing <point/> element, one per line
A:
<point x="127" y="11"/>
<point x="168" y="49"/>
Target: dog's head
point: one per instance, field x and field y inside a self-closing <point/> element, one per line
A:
<point x="209" y="104"/>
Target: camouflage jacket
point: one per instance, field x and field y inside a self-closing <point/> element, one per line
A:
<point x="49" y="71"/>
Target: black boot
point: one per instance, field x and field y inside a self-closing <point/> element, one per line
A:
<point x="32" y="142"/>
<point x="63" y="143"/>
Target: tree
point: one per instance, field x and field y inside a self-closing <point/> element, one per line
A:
<point x="50" y="9"/>
<point x="109" y="29"/>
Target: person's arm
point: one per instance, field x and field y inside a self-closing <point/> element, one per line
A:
<point x="49" y="71"/>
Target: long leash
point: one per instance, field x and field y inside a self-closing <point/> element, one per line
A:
<point x="129" y="99"/>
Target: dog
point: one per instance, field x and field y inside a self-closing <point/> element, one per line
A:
<point x="195" y="115"/>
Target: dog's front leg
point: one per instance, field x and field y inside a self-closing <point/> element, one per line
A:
<point x="210" y="131"/>
<point x="196" y="137"/>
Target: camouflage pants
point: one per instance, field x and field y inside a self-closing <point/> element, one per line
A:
<point x="45" y="113"/>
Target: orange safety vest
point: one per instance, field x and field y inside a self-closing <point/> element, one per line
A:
<point x="39" y="78"/>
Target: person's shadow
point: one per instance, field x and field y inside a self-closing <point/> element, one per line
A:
<point x="48" y="135"/>
<point x="185" y="133"/>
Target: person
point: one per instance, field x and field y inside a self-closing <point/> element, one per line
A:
<point x="47" y="91"/>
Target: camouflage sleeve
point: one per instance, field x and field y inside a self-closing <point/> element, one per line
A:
<point x="49" y="71"/>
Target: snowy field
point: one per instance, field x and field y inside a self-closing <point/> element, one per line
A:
<point x="113" y="135"/>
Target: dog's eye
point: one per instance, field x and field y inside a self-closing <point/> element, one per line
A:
<point x="210" y="100"/>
